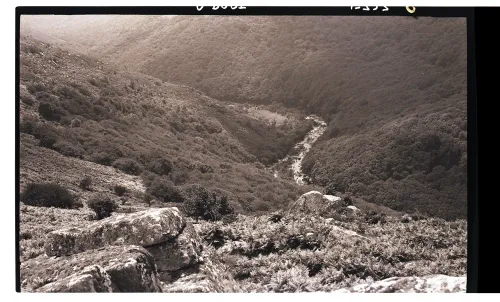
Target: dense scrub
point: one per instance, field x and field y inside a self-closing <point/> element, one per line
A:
<point x="102" y="205"/>
<point x="141" y="125"/>
<point x="48" y="195"/>
<point x="305" y="253"/>
<point x="392" y="90"/>
<point x="202" y="203"/>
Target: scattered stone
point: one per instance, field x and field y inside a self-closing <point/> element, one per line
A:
<point x="353" y="210"/>
<point x="332" y="197"/>
<point x="347" y="232"/>
<point x="427" y="284"/>
<point x="406" y="218"/>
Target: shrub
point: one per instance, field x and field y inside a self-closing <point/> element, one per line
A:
<point x="48" y="141"/>
<point x="164" y="190"/>
<point x="36" y="87"/>
<point x="128" y="165"/>
<point x="49" y="111"/>
<point x="27" y="99"/>
<point x="200" y="202"/>
<point x="102" y="205"/>
<point x="76" y="123"/>
<point x="373" y="217"/>
<point x="47" y="195"/>
<point x="47" y="134"/>
<point x="148" y="198"/>
<point x="102" y="158"/>
<point x="42" y="129"/>
<point x="148" y="178"/>
<point x="161" y="166"/>
<point x="120" y="190"/>
<point x="347" y="201"/>
<point x="68" y="149"/>
<point x="65" y="120"/>
<point x="331" y="189"/>
<point x="86" y="182"/>
<point x="28" y="124"/>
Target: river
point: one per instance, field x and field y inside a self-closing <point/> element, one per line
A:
<point x="293" y="161"/>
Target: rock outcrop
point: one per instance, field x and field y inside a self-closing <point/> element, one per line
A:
<point x="171" y="243"/>
<point x="314" y="202"/>
<point x="174" y="257"/>
<point x="92" y="279"/>
<point x="353" y="211"/>
<point x="144" y="228"/>
<point x="110" y="269"/>
<point x="427" y="284"/>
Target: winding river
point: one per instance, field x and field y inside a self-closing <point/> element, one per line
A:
<point x="294" y="160"/>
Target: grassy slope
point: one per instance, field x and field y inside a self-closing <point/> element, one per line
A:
<point x="134" y="116"/>
<point x="402" y="76"/>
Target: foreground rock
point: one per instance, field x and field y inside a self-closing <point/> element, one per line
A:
<point x="314" y="202"/>
<point x="427" y="284"/>
<point x="179" y="256"/>
<point x="143" y="228"/>
<point x="164" y="232"/>
<point x="92" y="279"/>
<point x="110" y="269"/>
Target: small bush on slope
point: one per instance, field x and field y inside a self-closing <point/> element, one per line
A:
<point x="164" y="190"/>
<point x="47" y="134"/>
<point x="49" y="111"/>
<point x="103" y="206"/>
<point x="47" y="195"/>
<point x="120" y="190"/>
<point x="28" y="124"/>
<point x="68" y="149"/>
<point x="128" y="165"/>
<point x="160" y="166"/>
<point x="86" y="182"/>
<point x="200" y="202"/>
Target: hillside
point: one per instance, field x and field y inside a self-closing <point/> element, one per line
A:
<point x="391" y="89"/>
<point x="149" y="129"/>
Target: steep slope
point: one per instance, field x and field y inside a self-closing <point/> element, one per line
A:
<point x="392" y="89"/>
<point x="91" y="111"/>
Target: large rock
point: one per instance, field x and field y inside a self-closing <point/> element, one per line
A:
<point x="353" y="211"/>
<point x="173" y="257"/>
<point x="145" y="228"/>
<point x="164" y="232"/>
<point x="314" y="202"/>
<point x="114" y="268"/>
<point x="92" y="279"/>
<point x="427" y="284"/>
